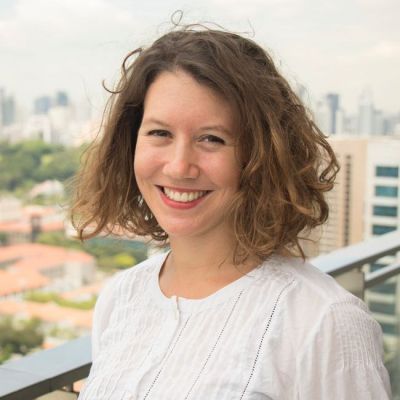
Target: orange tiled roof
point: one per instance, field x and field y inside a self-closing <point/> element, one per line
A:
<point x="25" y="226"/>
<point x="34" y="256"/>
<point x="16" y="281"/>
<point x="48" y="312"/>
<point x="92" y="289"/>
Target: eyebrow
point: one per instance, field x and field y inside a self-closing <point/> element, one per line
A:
<point x="156" y="121"/>
<point x="220" y="128"/>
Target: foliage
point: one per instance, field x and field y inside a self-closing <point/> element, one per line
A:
<point x="110" y="253"/>
<point x="19" y="338"/>
<point x="42" y="297"/>
<point x="58" y="239"/>
<point x="118" y="261"/>
<point x="3" y="238"/>
<point x="26" y="163"/>
<point x="62" y="333"/>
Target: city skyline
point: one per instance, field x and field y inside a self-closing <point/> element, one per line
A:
<point x="343" y="47"/>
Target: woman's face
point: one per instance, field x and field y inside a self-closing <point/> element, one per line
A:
<point x="185" y="161"/>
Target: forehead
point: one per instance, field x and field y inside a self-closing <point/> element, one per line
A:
<point x="177" y="96"/>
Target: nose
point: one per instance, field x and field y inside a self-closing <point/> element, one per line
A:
<point x="181" y="162"/>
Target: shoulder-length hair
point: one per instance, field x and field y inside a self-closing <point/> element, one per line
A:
<point x="287" y="162"/>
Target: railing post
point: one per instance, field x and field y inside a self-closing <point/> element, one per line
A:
<point x="353" y="281"/>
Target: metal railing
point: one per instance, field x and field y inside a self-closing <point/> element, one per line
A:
<point x="50" y="370"/>
<point x="45" y="371"/>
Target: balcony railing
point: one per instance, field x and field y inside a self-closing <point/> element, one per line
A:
<point x="57" y="369"/>
<point x="46" y="371"/>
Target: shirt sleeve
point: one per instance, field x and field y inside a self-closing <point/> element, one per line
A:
<point x="343" y="357"/>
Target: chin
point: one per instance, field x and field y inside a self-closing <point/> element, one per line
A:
<point x="182" y="232"/>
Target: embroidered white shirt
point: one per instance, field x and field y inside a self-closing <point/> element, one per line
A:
<point x="284" y="331"/>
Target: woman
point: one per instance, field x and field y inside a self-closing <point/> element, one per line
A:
<point x="207" y="148"/>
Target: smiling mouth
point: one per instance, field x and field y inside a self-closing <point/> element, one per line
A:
<point x="183" y="197"/>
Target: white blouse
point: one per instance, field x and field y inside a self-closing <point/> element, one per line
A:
<point x="283" y="331"/>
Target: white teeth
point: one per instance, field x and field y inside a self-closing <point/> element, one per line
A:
<point x="183" y="197"/>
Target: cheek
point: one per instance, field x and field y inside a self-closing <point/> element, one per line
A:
<point x="137" y="167"/>
<point x="225" y="173"/>
<point x="145" y="163"/>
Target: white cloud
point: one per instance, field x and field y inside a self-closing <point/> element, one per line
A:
<point x="242" y="9"/>
<point x="48" y="22"/>
<point x="386" y="50"/>
<point x="74" y="44"/>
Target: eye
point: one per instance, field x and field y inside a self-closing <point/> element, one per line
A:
<point x="159" y="133"/>
<point x="212" y="139"/>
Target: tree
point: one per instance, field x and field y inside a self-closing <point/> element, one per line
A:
<point x="24" y="164"/>
<point x="19" y="337"/>
<point x="110" y="253"/>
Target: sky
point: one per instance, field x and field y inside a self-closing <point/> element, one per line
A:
<point x="343" y="46"/>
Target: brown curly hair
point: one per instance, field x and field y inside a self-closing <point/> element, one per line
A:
<point x="287" y="162"/>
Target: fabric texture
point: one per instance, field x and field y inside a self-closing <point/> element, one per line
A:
<point x="283" y="331"/>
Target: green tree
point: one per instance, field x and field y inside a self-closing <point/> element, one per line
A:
<point x="46" y="297"/>
<point x="59" y="239"/>
<point x="26" y="163"/>
<point x="110" y="253"/>
<point x="19" y="337"/>
<point x="124" y="260"/>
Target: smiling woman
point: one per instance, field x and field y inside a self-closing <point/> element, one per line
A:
<point x="206" y="148"/>
<point x="185" y="158"/>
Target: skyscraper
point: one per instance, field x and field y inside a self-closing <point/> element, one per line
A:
<point x="366" y="113"/>
<point x="365" y="202"/>
<point x="61" y="99"/>
<point x="345" y="225"/>
<point x="332" y="100"/>
<point x="42" y="105"/>
<point x="7" y="109"/>
<point x="327" y="114"/>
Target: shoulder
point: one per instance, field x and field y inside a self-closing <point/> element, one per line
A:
<point x="309" y="287"/>
<point x="130" y="279"/>
<point x="120" y="290"/>
<point x="313" y="302"/>
<point x="337" y="343"/>
<point x="328" y="316"/>
<point x="123" y="285"/>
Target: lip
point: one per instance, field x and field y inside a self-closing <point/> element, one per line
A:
<point x="182" y="190"/>
<point x="179" y="205"/>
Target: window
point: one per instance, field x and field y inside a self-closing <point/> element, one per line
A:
<point x="377" y="266"/>
<point x="382" y="229"/>
<point x="391" y="172"/>
<point x="382" y="308"/>
<point x="390" y="329"/>
<point x="385" y="211"/>
<point x="386" y="288"/>
<point x="386" y="191"/>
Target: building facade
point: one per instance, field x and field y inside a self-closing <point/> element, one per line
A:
<point x="365" y="203"/>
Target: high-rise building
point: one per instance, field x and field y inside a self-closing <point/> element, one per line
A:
<point x="345" y="223"/>
<point x="42" y="105"/>
<point x="382" y="205"/>
<point x="327" y="114"/>
<point x="61" y="99"/>
<point x="322" y="116"/>
<point x="332" y="100"/>
<point x="364" y="203"/>
<point x="366" y="114"/>
<point x="7" y="109"/>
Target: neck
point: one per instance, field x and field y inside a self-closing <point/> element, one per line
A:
<point x="197" y="267"/>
